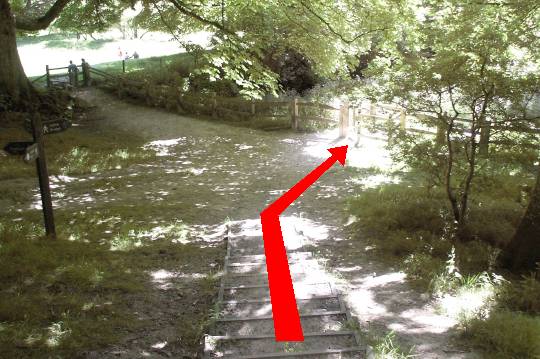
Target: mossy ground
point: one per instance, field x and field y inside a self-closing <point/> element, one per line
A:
<point x="114" y="272"/>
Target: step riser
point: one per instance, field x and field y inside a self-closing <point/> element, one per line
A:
<point x="323" y="323"/>
<point x="305" y="266"/>
<point x="269" y="345"/>
<point x="260" y="309"/>
<point x="301" y="291"/>
<point x="358" y="354"/>
<point x="259" y="258"/>
<point x="257" y="279"/>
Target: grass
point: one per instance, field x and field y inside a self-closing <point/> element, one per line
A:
<point x="383" y="345"/>
<point x="73" y="294"/>
<point x="76" y="151"/>
<point x="87" y="290"/>
<point x="505" y="334"/>
<point x="150" y="64"/>
<point x="61" y="40"/>
<point x="156" y="66"/>
<point x="59" y="296"/>
<point x="410" y="225"/>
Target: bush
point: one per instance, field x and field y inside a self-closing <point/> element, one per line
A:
<point x="523" y="295"/>
<point x="505" y="334"/>
<point x="493" y="220"/>
<point x="398" y="207"/>
<point x="421" y="267"/>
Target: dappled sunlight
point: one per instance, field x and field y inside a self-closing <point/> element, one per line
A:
<point x="381" y="280"/>
<point x="375" y="180"/>
<point x="164" y="147"/>
<point x="467" y="302"/>
<point x="364" y="152"/>
<point x="425" y="322"/>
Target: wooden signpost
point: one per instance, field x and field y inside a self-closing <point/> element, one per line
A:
<point x="37" y="152"/>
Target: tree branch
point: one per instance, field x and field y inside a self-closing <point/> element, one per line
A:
<point x="333" y="31"/>
<point x="190" y="13"/>
<point x="40" y="23"/>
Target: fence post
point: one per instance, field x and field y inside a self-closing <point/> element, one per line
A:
<point x="48" y="75"/>
<point x="124" y="66"/>
<point x="344" y="119"/>
<point x="294" y="114"/>
<point x="403" y="120"/>
<point x="372" y="110"/>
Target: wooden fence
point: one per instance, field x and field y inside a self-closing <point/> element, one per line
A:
<point x="296" y="114"/>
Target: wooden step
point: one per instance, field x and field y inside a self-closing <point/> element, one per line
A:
<point x="302" y="291"/>
<point x="322" y="321"/>
<point x="264" y="307"/>
<point x="257" y="345"/>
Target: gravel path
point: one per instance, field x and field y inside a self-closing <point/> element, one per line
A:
<point x="216" y="172"/>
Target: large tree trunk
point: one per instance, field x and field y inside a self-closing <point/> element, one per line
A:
<point x="13" y="82"/>
<point x="523" y="252"/>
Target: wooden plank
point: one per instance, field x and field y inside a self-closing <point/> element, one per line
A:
<point x="317" y="119"/>
<point x="271" y="116"/>
<point x="318" y="105"/>
<point x="39" y="78"/>
<point x="270" y="317"/>
<point x="266" y="336"/>
<point x="58" y="68"/>
<point x="272" y="104"/>
<point x="234" y="111"/>
<point x="299" y="354"/>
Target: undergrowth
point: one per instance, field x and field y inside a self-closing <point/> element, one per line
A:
<point x="75" y="151"/>
<point x="383" y="345"/>
<point x="412" y="225"/>
<point x="76" y="293"/>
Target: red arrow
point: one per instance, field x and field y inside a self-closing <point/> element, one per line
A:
<point x="287" y="326"/>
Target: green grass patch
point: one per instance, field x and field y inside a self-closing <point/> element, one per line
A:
<point x="505" y="334"/>
<point x="413" y="226"/>
<point x="61" y="297"/>
<point x="76" y="151"/>
<point x="150" y="65"/>
<point x="384" y="345"/>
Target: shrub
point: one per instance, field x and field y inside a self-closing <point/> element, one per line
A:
<point x="398" y="207"/>
<point x="523" y="295"/>
<point x="505" y="334"/>
<point x="493" y="219"/>
<point x="420" y="268"/>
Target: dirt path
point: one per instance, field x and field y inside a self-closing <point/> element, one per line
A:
<point x="214" y="171"/>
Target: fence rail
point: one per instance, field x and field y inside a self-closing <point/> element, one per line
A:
<point x="295" y="114"/>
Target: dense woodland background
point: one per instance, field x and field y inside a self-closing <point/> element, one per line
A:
<point x="461" y="217"/>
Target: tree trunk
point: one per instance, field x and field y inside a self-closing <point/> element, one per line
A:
<point x="13" y="82"/>
<point x="523" y="252"/>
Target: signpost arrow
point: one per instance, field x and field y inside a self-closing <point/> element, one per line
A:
<point x="31" y="153"/>
<point x="287" y="324"/>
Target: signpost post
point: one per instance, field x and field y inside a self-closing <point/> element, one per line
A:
<point x="37" y="152"/>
